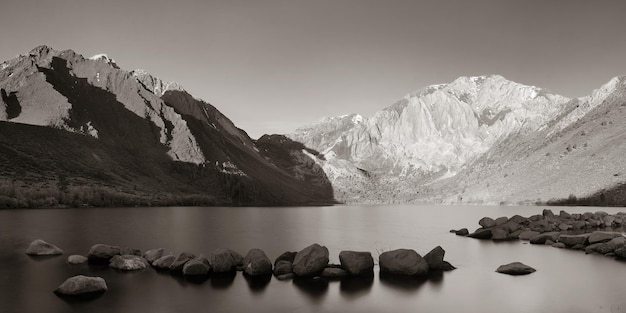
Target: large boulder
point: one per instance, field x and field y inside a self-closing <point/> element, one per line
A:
<point x="101" y="253"/>
<point x="256" y="263"/>
<point x="180" y="261"/>
<point x="40" y="247"/>
<point x="153" y="255"/>
<point x="402" y="262"/>
<point x="128" y="262"/>
<point x="221" y="261"/>
<point x="487" y="222"/>
<point x="76" y="259"/>
<point x="602" y="236"/>
<point x="572" y="240"/>
<point x="197" y="267"/>
<point x="515" y="268"/>
<point x="310" y="261"/>
<point x="164" y="262"/>
<point x="356" y="263"/>
<point x="81" y="286"/>
<point x="481" y="234"/>
<point x="501" y="220"/>
<point x="434" y="259"/>
<point x="542" y="238"/>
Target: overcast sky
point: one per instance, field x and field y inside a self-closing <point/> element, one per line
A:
<point x="274" y="65"/>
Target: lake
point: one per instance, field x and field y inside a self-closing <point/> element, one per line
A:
<point x="565" y="281"/>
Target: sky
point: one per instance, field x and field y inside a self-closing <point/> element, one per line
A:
<point x="274" y="65"/>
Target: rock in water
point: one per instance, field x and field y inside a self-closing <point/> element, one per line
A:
<point x="164" y="262"/>
<point x="310" y="261"/>
<point x="153" y="255"/>
<point x="100" y="253"/>
<point x="402" y="262"/>
<point x="256" y="263"/>
<point x="602" y="236"/>
<point x="180" y="261"/>
<point x="542" y="238"/>
<point x="197" y="267"/>
<point x="462" y="232"/>
<point x="487" y="222"/>
<point x="286" y="256"/>
<point x="515" y="268"/>
<point x="40" y="247"/>
<point x="434" y="259"/>
<point x="527" y="234"/>
<point x="356" y="263"/>
<point x="481" y="234"/>
<point x="76" y="259"/>
<point x="128" y="262"/>
<point x="82" y="286"/>
<point x="221" y="261"/>
<point x="333" y="272"/>
<point x="283" y="267"/>
<point x="237" y="259"/>
<point x="572" y="240"/>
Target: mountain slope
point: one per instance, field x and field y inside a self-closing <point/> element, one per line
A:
<point x="173" y="147"/>
<point x="428" y="135"/>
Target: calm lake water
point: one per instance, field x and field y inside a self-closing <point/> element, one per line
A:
<point x="565" y="281"/>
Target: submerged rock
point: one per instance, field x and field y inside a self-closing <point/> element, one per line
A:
<point x="310" y="261"/>
<point x="402" y="262"/>
<point x="356" y="263"/>
<point x="76" y="259"/>
<point x="81" y="286"/>
<point x="515" y="268"/>
<point x="39" y="248"/>
<point x="128" y="262"/>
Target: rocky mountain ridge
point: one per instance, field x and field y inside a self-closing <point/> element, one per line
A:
<point x="153" y="137"/>
<point x="423" y="147"/>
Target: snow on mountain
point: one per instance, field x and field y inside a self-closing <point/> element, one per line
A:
<point x="431" y="133"/>
<point x="104" y="58"/>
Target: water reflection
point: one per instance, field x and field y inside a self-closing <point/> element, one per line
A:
<point x="401" y="282"/>
<point x="257" y="284"/>
<point x="315" y="288"/>
<point x="352" y="287"/>
<point x="223" y="280"/>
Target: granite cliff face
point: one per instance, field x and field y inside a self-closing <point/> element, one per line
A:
<point x="153" y="140"/>
<point x="423" y="147"/>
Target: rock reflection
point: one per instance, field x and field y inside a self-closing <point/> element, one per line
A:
<point x="257" y="283"/>
<point x="400" y="282"/>
<point x="223" y="280"/>
<point x="315" y="287"/>
<point x="352" y="287"/>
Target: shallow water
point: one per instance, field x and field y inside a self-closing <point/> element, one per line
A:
<point x="565" y="281"/>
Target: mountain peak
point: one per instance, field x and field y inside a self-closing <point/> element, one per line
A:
<point x="104" y="58"/>
<point x="155" y="84"/>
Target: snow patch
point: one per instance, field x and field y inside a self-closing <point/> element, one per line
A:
<point x="4" y="65"/>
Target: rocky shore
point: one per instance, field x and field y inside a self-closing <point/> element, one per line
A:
<point x="309" y="265"/>
<point x="593" y="233"/>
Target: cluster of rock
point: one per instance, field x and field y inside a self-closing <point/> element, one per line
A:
<point x="310" y="262"/>
<point x="589" y="232"/>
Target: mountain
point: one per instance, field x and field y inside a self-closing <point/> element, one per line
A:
<point x="471" y="140"/>
<point x="82" y="131"/>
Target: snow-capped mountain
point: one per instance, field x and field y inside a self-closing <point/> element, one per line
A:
<point x="146" y="137"/>
<point x="434" y="134"/>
